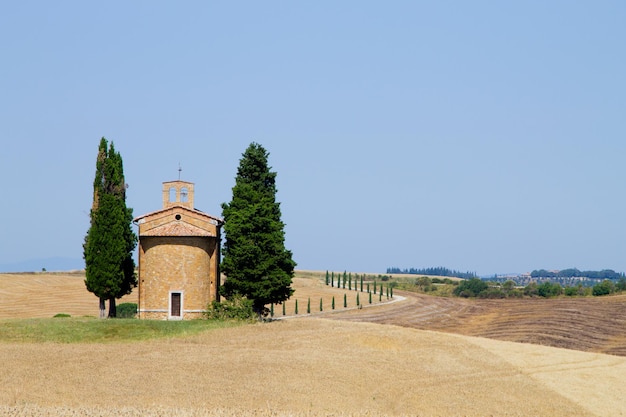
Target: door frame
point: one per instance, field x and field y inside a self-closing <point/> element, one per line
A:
<point x="169" y="305"/>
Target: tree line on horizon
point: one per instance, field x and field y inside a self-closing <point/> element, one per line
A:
<point x="575" y="273"/>
<point x="437" y="271"/>
<point x="479" y="288"/>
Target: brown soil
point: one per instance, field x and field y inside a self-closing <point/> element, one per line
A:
<point x="588" y="324"/>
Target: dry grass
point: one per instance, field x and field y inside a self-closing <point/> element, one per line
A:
<point x="303" y="367"/>
<point x="46" y="294"/>
<point x="308" y="367"/>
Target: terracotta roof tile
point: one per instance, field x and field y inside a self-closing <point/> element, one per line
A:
<point x="177" y="229"/>
<point x="196" y="211"/>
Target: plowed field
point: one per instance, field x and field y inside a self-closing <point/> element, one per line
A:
<point x="592" y="324"/>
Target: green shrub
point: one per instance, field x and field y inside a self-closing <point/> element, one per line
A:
<point x="574" y="291"/>
<point x="549" y="289"/>
<point x="424" y="283"/>
<point x="531" y="289"/>
<point x="606" y="287"/>
<point x="61" y="315"/>
<point x="234" y="308"/>
<point x="436" y="280"/>
<point x="471" y="287"/>
<point x="127" y="310"/>
<point x="492" y="292"/>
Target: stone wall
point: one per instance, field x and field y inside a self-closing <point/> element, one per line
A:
<point x="177" y="264"/>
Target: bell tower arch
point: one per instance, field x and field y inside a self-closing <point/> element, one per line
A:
<point x="178" y="193"/>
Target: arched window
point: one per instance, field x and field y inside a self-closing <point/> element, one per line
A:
<point x="172" y="194"/>
<point x="184" y="195"/>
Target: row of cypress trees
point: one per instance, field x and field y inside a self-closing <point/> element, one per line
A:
<point x="359" y="282"/>
<point x="389" y="293"/>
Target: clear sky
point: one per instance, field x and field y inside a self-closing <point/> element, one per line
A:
<point x="481" y="136"/>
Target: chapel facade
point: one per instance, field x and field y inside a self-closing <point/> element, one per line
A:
<point x="179" y="257"/>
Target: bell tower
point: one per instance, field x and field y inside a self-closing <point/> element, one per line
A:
<point x="178" y="193"/>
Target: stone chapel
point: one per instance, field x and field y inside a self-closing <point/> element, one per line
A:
<point x="179" y="257"/>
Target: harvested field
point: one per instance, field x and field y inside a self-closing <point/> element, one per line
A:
<point x="47" y="294"/>
<point x="41" y="295"/>
<point x="591" y="324"/>
<point x="310" y="367"/>
<point x="307" y="367"/>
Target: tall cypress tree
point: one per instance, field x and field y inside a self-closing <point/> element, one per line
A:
<point x="110" y="240"/>
<point x="255" y="261"/>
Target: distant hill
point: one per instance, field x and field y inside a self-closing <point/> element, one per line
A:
<point x="50" y="264"/>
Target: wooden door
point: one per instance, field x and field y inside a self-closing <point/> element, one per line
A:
<point x="175" y="305"/>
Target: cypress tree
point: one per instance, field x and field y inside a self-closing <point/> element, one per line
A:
<point x="333" y="303"/>
<point x="327" y="277"/>
<point x="358" y="302"/>
<point x="321" y="305"/>
<point x="308" y="306"/>
<point x="255" y="261"/>
<point x="110" y="240"/>
<point x="345" y="300"/>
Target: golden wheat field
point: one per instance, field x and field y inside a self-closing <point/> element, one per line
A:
<point x="306" y="365"/>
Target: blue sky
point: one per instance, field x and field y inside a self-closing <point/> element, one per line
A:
<point x="482" y="136"/>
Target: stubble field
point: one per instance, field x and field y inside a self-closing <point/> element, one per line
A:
<point x="298" y="366"/>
